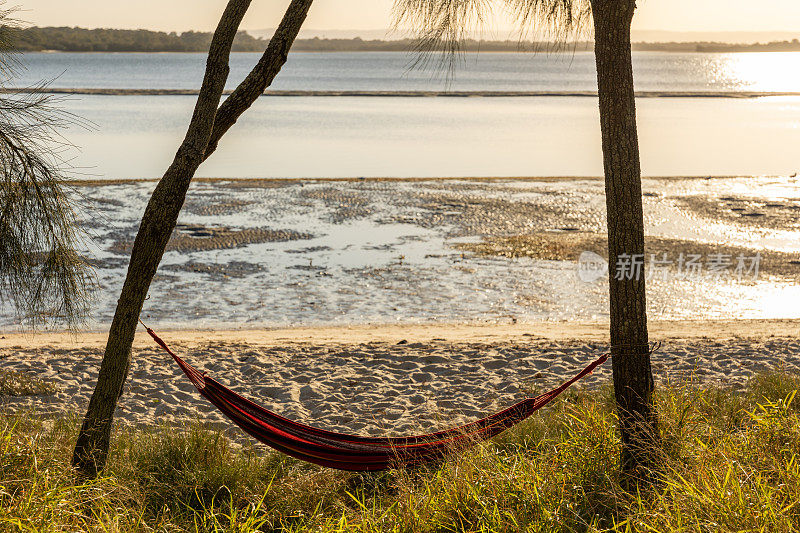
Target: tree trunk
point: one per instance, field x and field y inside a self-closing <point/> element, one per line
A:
<point x="162" y="212"/>
<point x="262" y="74"/>
<point x="633" y="376"/>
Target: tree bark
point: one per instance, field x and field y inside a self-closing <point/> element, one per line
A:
<point x="633" y="376"/>
<point x="161" y="214"/>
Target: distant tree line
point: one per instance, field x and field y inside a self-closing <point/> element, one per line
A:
<point x="64" y="39"/>
<point x="776" y="46"/>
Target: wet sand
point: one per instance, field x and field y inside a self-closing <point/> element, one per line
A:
<point x="384" y="379"/>
<point x="282" y="253"/>
<point x="756" y="212"/>
<point x="568" y="246"/>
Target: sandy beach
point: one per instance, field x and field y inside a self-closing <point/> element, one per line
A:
<point x="383" y="379"/>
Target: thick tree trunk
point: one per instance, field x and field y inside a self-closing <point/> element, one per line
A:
<point x="633" y="377"/>
<point x="162" y="212"/>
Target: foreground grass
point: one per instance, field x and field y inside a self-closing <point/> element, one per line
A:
<point x="732" y="464"/>
<point x="19" y="384"/>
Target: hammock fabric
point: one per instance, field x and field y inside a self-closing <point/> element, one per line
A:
<point x="353" y="452"/>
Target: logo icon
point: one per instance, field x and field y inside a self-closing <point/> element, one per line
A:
<point x="591" y="267"/>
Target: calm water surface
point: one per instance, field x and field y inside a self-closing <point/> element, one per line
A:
<point x="389" y="71"/>
<point x="136" y="136"/>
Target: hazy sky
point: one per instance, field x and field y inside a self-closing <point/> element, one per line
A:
<point x="179" y="15"/>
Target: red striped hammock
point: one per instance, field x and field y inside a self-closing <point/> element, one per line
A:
<point x="353" y="452"/>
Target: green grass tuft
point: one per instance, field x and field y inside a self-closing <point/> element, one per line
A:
<point x="731" y="464"/>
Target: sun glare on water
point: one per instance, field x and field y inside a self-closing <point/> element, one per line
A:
<point x="759" y="71"/>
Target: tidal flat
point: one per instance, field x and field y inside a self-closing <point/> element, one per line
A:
<point x="284" y="253"/>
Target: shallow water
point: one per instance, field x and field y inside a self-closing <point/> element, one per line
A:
<point x="383" y="252"/>
<point x="136" y="137"/>
<point x="390" y="71"/>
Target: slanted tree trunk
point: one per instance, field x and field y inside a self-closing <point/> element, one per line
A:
<point x="633" y="376"/>
<point x="209" y="123"/>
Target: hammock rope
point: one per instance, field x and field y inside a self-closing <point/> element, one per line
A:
<point x="355" y="452"/>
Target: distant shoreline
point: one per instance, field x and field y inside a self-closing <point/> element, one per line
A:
<point x="255" y="182"/>
<point x="398" y="94"/>
<point x="65" y="39"/>
<point x="491" y="47"/>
